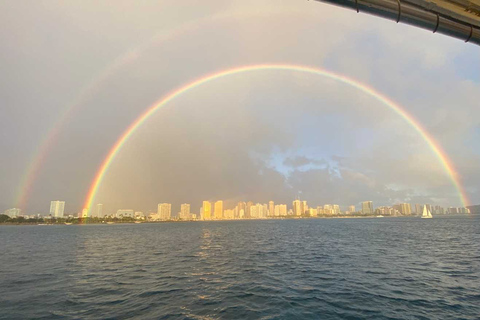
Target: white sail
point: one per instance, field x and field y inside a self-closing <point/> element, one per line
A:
<point x="426" y="213"/>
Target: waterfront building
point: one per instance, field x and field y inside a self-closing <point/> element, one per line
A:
<point x="184" y="211"/>
<point x="229" y="214"/>
<point x="240" y="212"/>
<point x="405" y="209"/>
<point x="206" y="213"/>
<point x="297" y="207"/>
<point x="351" y="208"/>
<point x="367" y="207"/>
<point x="264" y="211"/>
<point x="56" y="208"/>
<point x="164" y="211"/>
<point x="254" y="212"/>
<point x="312" y="212"/>
<point x="336" y="209"/>
<point x="304" y="207"/>
<point x="218" y="210"/>
<point x="248" y="213"/>
<point x="124" y="213"/>
<point x="99" y="212"/>
<point x="328" y="209"/>
<point x="280" y="210"/>
<point x="271" y="209"/>
<point x="418" y="208"/>
<point x="13" y="212"/>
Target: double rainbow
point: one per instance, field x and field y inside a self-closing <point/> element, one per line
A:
<point x="434" y="146"/>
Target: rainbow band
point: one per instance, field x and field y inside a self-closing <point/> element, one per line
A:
<point x="437" y="150"/>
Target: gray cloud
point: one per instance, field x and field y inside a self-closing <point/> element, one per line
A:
<point x="218" y="141"/>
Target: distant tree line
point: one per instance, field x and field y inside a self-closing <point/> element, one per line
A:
<point x="5" y="219"/>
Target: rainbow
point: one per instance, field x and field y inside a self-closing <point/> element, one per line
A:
<point x="434" y="146"/>
<point x="40" y="155"/>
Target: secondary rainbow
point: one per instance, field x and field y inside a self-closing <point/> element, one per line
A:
<point x="434" y="146"/>
<point x="40" y="155"/>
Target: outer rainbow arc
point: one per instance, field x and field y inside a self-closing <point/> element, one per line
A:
<point x="41" y="153"/>
<point x="435" y="147"/>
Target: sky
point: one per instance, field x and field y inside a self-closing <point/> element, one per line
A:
<point x="74" y="75"/>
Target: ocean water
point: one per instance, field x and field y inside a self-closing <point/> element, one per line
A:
<point x="390" y="268"/>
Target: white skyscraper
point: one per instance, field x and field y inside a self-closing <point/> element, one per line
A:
<point x="56" y="208"/>
<point x="185" y="211"/>
<point x="165" y="211"/>
<point x="99" y="213"/>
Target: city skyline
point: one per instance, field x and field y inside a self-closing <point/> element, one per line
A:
<point x="247" y="210"/>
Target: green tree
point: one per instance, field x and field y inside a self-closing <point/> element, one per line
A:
<point x="4" y="218"/>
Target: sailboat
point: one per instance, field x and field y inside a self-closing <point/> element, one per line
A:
<point x="426" y="213"/>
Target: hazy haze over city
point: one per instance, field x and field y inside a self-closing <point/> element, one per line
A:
<point x="259" y="135"/>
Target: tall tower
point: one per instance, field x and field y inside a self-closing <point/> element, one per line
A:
<point x="219" y="209"/>
<point x="164" y="211"/>
<point x="248" y="213"/>
<point x="56" y="208"/>
<point x="185" y="211"/>
<point x="207" y="210"/>
<point x="271" y="208"/>
<point x="297" y="207"/>
<point x="99" y="210"/>
<point x="303" y="207"/>
<point x="367" y="207"/>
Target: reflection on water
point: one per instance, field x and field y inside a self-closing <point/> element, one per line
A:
<point x="380" y="268"/>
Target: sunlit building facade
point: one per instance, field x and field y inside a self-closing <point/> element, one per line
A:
<point x="185" y="211"/>
<point x="164" y="211"/>
<point x="206" y="211"/>
<point x="218" y="210"/>
<point x="367" y="207"/>
<point x="57" y="208"/>
<point x="99" y="212"/>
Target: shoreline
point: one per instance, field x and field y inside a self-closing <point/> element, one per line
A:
<point x="73" y="223"/>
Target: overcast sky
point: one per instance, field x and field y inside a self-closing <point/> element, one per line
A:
<point x="260" y="136"/>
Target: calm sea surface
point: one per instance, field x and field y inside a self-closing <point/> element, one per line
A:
<point x="390" y="268"/>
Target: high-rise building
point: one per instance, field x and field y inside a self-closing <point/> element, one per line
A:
<point x="99" y="210"/>
<point x="254" y="212"/>
<point x="229" y="214"/>
<point x="56" y="208"/>
<point x="185" y="211"/>
<point x="327" y="209"/>
<point x="13" y="213"/>
<point x="264" y="211"/>
<point x="405" y="209"/>
<point x="218" y="209"/>
<point x="207" y="210"/>
<point x="248" y="213"/>
<point x="297" y="207"/>
<point x="418" y="208"/>
<point x="304" y="207"/>
<point x="271" y="208"/>
<point x="336" y="209"/>
<point x="351" y="208"/>
<point x="164" y="211"/>
<point x="312" y="212"/>
<point x="85" y="213"/>
<point x="367" y="207"/>
<point x="240" y="212"/>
